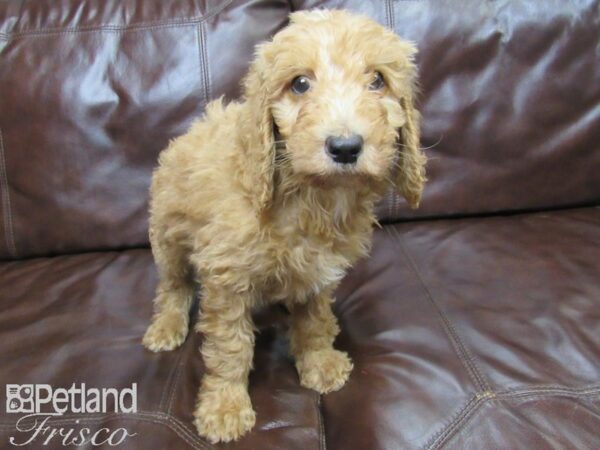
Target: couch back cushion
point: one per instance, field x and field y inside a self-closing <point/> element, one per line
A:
<point x="510" y="102"/>
<point x="90" y="92"/>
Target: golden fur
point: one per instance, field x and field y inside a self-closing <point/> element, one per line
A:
<point x="249" y="204"/>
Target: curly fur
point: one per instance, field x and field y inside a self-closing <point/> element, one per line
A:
<point x="249" y="204"/>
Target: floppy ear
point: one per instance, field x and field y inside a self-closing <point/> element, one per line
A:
<point x="410" y="173"/>
<point x="401" y="75"/>
<point x="259" y="142"/>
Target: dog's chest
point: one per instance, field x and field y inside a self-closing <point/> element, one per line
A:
<point x="309" y="250"/>
<point x="302" y="267"/>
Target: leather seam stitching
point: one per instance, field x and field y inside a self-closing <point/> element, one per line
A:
<point x="457" y="343"/>
<point x="550" y="390"/>
<point x="8" y="220"/>
<point x="206" y="70"/>
<point x="394" y="197"/>
<point x="121" y="28"/>
<point x="390" y="12"/>
<point x="194" y="438"/>
<point x="442" y="437"/>
<point x="163" y="403"/>
<point x="202" y="82"/>
<point x="322" y="440"/>
<point x="387" y="13"/>
<point x="389" y="200"/>
<point x="175" y="382"/>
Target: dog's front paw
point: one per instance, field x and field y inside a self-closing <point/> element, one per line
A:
<point x="224" y="414"/>
<point x="166" y="332"/>
<point x="324" y="370"/>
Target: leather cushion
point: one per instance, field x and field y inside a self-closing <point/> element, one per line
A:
<point x="74" y="319"/>
<point x="471" y="333"/>
<point x="92" y="91"/>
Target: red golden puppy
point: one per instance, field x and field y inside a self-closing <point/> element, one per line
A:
<point x="271" y="199"/>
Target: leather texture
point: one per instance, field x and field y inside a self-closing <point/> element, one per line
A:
<point x="473" y="324"/>
<point x="471" y="333"/>
<point x="477" y="333"/>
<point x="91" y="93"/>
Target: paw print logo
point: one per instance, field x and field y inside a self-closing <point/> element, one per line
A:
<point x="19" y="398"/>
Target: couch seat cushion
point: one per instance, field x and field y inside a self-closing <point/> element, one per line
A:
<point x="465" y="333"/>
<point x="80" y="319"/>
<point x="473" y="333"/>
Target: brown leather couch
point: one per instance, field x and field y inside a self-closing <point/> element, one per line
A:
<point x="475" y="322"/>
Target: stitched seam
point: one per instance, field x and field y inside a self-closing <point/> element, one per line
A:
<point x="391" y="197"/>
<point x="164" y="399"/>
<point x="8" y="220"/>
<point x="390" y="202"/>
<point x="455" y="340"/>
<point x="162" y="403"/>
<point x="551" y="391"/>
<point x="390" y="12"/>
<point x="200" y="62"/>
<point x="459" y="347"/>
<point x="201" y="65"/>
<point x="322" y="440"/>
<point x="445" y="434"/>
<point x="123" y="28"/>
<point x="165" y="402"/>
<point x="105" y="30"/>
<point x="183" y="430"/>
<point x="462" y="418"/>
<point x="207" y="83"/>
<point x="458" y="418"/>
<point x="175" y="382"/>
<point x="388" y="20"/>
<point x="550" y="396"/>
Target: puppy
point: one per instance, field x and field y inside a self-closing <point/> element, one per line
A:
<point x="271" y="199"/>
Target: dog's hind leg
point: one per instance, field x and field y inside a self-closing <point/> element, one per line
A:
<point x="173" y="300"/>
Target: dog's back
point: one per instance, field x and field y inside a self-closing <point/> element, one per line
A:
<point x="195" y="182"/>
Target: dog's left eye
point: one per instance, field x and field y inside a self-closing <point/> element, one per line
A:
<point x="300" y="85"/>
<point x="377" y="83"/>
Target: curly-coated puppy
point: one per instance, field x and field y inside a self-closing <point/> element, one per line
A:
<point x="271" y="200"/>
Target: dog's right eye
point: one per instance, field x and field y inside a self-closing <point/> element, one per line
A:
<point x="300" y="85"/>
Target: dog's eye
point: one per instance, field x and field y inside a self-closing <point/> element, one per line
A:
<point x="300" y="85"/>
<point x="377" y="83"/>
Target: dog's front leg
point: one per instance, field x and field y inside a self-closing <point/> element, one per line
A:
<point x="224" y="411"/>
<point x="312" y="332"/>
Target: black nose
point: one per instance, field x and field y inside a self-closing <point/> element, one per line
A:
<point x="344" y="150"/>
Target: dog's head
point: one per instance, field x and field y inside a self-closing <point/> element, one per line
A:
<point x="336" y="92"/>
